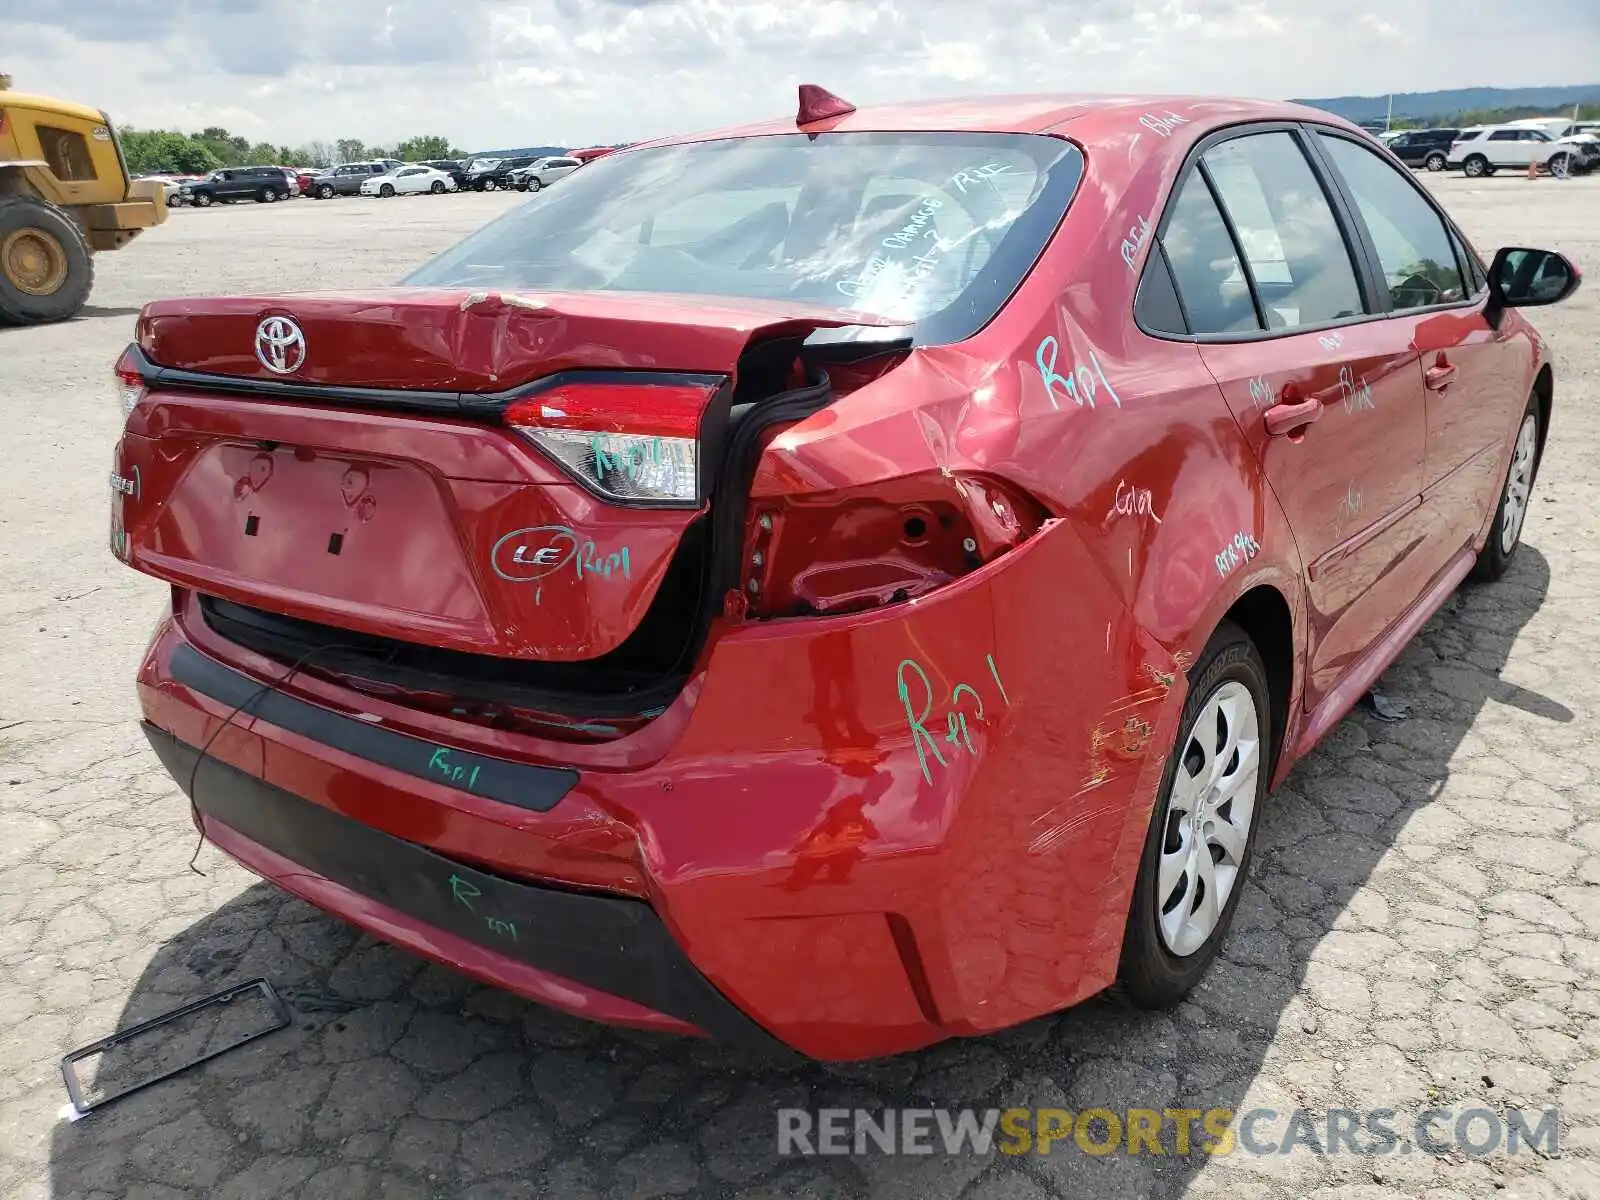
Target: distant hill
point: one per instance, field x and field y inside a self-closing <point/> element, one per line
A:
<point x="524" y="152"/>
<point x="1423" y="105"/>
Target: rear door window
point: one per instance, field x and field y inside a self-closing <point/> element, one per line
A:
<point x="1419" y="263"/>
<point x="1205" y="265"/>
<point x="1290" y="237"/>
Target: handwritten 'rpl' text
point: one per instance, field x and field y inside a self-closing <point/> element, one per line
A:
<point x="1080" y="385"/>
<point x="957" y="732"/>
<point x="465" y="893"/>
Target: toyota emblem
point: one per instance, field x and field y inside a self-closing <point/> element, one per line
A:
<point x="280" y="345"/>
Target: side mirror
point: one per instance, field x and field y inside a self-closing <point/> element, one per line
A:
<point x="1522" y="278"/>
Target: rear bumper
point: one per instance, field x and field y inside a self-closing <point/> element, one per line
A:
<point x="858" y="834"/>
<point x="604" y="957"/>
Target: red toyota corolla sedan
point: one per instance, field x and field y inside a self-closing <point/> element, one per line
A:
<point x="843" y="582"/>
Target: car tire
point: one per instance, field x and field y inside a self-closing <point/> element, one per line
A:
<point x="174" y="200"/>
<point x="533" y="183"/>
<point x="1516" y="493"/>
<point x="1560" y="165"/>
<point x="325" y="192"/>
<point x="1175" y="927"/>
<point x="46" y="270"/>
<point x="1476" y="166"/>
<point x="437" y="187"/>
<point x="1434" y="161"/>
<point x="202" y="199"/>
<point x="386" y="191"/>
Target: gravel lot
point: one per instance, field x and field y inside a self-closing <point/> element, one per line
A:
<point x="1424" y="928"/>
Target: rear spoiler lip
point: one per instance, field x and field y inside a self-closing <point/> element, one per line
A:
<point x="475" y="404"/>
<point x="825" y="345"/>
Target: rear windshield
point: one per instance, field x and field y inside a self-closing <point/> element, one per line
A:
<point x="930" y="229"/>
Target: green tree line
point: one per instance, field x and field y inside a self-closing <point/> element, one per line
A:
<point x="152" y="150"/>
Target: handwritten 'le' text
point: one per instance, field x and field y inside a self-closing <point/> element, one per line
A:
<point x="956" y="732"/>
<point x="1241" y="550"/>
<point x="1079" y="385"/>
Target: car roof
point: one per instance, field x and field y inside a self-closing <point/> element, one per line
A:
<point x="1082" y="115"/>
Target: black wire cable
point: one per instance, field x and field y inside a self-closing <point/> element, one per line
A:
<point x="270" y="685"/>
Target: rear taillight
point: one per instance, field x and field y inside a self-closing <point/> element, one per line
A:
<point x="130" y="384"/>
<point x="864" y="548"/>
<point x="631" y="443"/>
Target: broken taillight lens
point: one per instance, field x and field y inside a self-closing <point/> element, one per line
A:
<point x="130" y="384"/>
<point x="865" y="548"/>
<point x="630" y="443"/>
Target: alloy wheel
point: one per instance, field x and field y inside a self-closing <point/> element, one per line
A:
<point x="1210" y="810"/>
<point x="1519" y="484"/>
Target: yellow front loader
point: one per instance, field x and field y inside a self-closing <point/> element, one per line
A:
<point x="64" y="194"/>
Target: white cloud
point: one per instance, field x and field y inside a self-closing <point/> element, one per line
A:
<point x="520" y="72"/>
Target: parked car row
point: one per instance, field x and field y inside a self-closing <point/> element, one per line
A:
<point x="378" y="177"/>
<point x="1559" y="146"/>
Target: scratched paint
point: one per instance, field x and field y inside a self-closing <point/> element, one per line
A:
<point x="957" y="727"/>
<point x="1261" y="393"/>
<point x="1121" y="732"/>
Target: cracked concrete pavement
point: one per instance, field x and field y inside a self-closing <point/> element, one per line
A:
<point x="1423" y="927"/>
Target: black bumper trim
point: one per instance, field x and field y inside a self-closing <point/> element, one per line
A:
<point x="535" y="788"/>
<point x="615" y="945"/>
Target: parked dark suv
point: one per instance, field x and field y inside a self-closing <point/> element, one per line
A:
<point x="347" y="180"/>
<point x="487" y="174"/>
<point x="1424" y="147"/>
<point x="262" y="184"/>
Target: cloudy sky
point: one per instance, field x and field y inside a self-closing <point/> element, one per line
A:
<point x="515" y="72"/>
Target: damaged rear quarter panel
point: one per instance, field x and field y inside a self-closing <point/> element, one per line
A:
<point x="992" y="750"/>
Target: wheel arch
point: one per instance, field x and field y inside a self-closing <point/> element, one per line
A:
<point x="1544" y="391"/>
<point x="1264" y="613"/>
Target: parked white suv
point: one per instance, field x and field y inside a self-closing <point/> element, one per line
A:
<point x="1484" y="149"/>
<point x="542" y="172"/>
